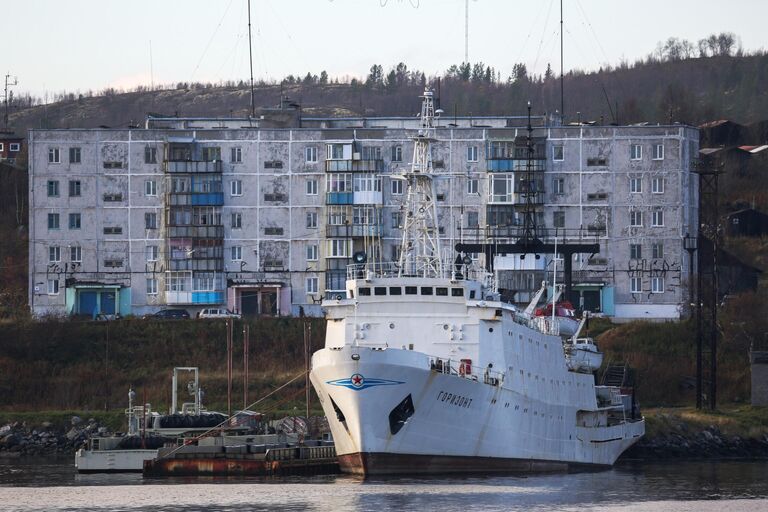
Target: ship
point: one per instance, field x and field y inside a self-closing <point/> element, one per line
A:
<point x="425" y="369"/>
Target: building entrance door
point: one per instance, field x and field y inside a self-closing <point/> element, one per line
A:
<point x="249" y="302"/>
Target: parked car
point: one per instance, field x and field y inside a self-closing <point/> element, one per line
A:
<point x="170" y="314"/>
<point x="217" y="313"/>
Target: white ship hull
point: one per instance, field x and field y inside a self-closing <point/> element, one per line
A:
<point x="458" y="424"/>
<point x="112" y="461"/>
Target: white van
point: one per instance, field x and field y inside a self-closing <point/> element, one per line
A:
<point x="217" y="313"/>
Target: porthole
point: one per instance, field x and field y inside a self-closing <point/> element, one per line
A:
<point x="391" y="326"/>
<point x="490" y="329"/>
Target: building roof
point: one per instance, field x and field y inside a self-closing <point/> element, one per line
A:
<point x="709" y="151"/>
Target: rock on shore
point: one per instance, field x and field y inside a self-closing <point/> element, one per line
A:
<point x="684" y="443"/>
<point x="18" y="439"/>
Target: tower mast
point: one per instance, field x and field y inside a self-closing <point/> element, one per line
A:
<point x="420" y="246"/>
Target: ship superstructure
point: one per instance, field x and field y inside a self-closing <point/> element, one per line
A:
<point x="425" y="369"/>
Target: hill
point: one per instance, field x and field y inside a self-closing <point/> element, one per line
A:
<point x="692" y="90"/>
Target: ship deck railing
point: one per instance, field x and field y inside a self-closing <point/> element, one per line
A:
<point x="390" y="270"/>
<point x="466" y="370"/>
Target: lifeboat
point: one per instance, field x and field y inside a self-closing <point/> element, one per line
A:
<point x="565" y="314"/>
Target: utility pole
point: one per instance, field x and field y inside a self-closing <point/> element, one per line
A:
<point x="246" y="343"/>
<point x="562" y="76"/>
<point x="250" y="58"/>
<point x="8" y="84"/>
<point x="466" y="31"/>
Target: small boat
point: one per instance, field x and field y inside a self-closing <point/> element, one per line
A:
<point x="150" y="430"/>
<point x="565" y="314"/>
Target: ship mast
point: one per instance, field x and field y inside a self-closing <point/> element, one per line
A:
<point x="420" y="246"/>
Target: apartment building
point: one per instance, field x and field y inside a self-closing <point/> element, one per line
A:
<point x="264" y="217"/>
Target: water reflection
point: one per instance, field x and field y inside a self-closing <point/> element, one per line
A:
<point x="54" y="485"/>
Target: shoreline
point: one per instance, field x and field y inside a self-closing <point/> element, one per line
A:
<point x="736" y="434"/>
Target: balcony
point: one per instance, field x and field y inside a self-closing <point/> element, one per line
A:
<point x="195" y="231"/>
<point x="367" y="197"/>
<point x="197" y="199"/>
<point x="210" y="297"/>
<point x="354" y="165"/>
<point x="515" y="165"/>
<point x="192" y="166"/>
<point x="339" y="198"/>
<point x="354" y="230"/>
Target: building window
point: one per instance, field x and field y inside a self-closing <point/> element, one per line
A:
<point x="54" y="156"/>
<point x="635" y="219"/>
<point x="396" y="187"/>
<point x="311" y="187"/>
<point x="113" y="230"/>
<point x="635" y="285"/>
<point x="236" y="188"/>
<point x="152" y="252"/>
<point x="151" y="286"/>
<point x="311" y="220"/>
<point x="635" y="185"/>
<point x="558" y="219"/>
<point x="397" y="153"/>
<point x="150" y="220"/>
<point x="501" y="188"/>
<point x="558" y="186"/>
<point x="76" y="254"/>
<point x="312" y="252"/>
<point x="635" y="152"/>
<point x="310" y="154"/>
<point x="471" y="153"/>
<point x="54" y="254"/>
<point x="212" y="154"/>
<point x="658" y="251"/>
<point x="397" y="220"/>
<point x="367" y="183"/>
<point x="236" y="155"/>
<point x="53" y="221"/>
<point x="339" y="248"/>
<point x="237" y="220"/>
<point x="13" y="147"/>
<point x="150" y="155"/>
<point x="312" y="285"/>
<point x="472" y="220"/>
<point x="236" y="252"/>
<point x="74" y="188"/>
<point x="53" y="188"/>
<point x="53" y="287"/>
<point x="635" y="251"/>
<point x="150" y="188"/>
<point x="658" y="151"/>
<point x="657" y="284"/>
<point x="273" y="231"/>
<point x="336" y="151"/>
<point x="658" y="218"/>
<point x="657" y="185"/>
<point x="75" y="221"/>
<point x="473" y="185"/>
<point x="74" y="155"/>
<point x="558" y="154"/>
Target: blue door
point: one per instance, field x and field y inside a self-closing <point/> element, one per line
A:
<point x="86" y="303"/>
<point x="108" y="303"/>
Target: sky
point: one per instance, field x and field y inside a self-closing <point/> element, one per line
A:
<point x="78" y="45"/>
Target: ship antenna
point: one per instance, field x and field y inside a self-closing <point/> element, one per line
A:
<point x="420" y="246"/>
<point x="554" y="282"/>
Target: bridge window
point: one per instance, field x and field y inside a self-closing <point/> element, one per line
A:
<point x="395" y="290"/>
<point x="426" y="290"/>
<point x="442" y="292"/>
<point x="457" y="292"/>
<point x="380" y="290"/>
<point x="410" y="290"/>
<point x="364" y="292"/>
